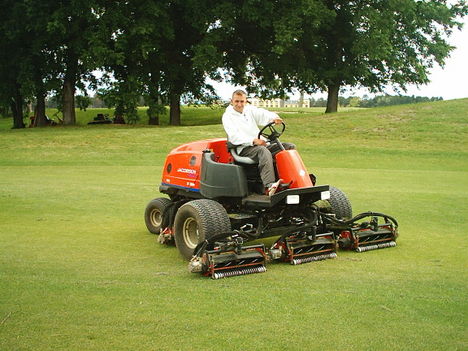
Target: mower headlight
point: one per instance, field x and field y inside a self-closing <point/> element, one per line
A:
<point x="325" y="195"/>
<point x="292" y="199"/>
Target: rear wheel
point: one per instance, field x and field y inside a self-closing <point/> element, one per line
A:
<point x="196" y="221"/>
<point x="338" y="204"/>
<point x="154" y="214"/>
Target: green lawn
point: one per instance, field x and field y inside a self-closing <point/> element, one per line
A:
<point x="79" y="271"/>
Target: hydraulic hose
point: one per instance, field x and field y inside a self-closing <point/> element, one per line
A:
<point x="356" y="218"/>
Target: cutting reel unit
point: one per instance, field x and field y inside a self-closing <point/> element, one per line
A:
<point x="361" y="236"/>
<point x="225" y="255"/>
<point x="304" y="247"/>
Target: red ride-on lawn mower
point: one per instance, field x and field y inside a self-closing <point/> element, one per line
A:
<point x="217" y="203"/>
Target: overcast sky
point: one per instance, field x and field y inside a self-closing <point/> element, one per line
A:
<point x="450" y="82"/>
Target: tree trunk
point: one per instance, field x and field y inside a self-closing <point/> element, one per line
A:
<point x="174" y="112"/>
<point x="153" y="120"/>
<point x="332" y="99"/>
<point x="17" y="110"/>
<point x="154" y="102"/>
<point x="68" y="92"/>
<point x="39" y="113"/>
<point x="69" y="115"/>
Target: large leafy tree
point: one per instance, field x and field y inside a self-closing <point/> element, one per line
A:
<point x="45" y="47"/>
<point x="379" y="43"/>
<point x="189" y="22"/>
<point x="40" y="67"/>
<point x="27" y="62"/>
<point x="325" y="45"/>
<point x="154" y="45"/>
<point x="72" y="26"/>
<point x="120" y="57"/>
<point x="11" y="53"/>
<point x="265" y="45"/>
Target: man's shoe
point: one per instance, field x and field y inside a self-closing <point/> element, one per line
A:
<point x="273" y="187"/>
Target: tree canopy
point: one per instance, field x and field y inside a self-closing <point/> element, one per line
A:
<point x="163" y="51"/>
<point x="325" y="45"/>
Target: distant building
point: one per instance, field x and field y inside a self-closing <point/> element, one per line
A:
<point x="266" y="103"/>
<point x="277" y="103"/>
<point x="297" y="103"/>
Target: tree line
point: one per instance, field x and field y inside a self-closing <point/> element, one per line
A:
<point x="83" y="102"/>
<point x="163" y="51"/>
<point x="376" y="101"/>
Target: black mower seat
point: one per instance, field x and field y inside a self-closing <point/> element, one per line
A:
<point x="239" y="159"/>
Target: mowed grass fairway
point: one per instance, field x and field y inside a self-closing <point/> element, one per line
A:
<point x="79" y="270"/>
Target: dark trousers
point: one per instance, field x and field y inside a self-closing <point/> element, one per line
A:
<point x="263" y="155"/>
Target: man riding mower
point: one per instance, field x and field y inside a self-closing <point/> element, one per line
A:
<point x="217" y="203"/>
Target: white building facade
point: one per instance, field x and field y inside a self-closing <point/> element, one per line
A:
<point x="277" y="103"/>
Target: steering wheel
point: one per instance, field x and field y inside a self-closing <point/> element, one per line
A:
<point x="270" y="132"/>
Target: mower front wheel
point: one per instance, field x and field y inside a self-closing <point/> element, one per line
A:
<point x="154" y="214"/>
<point x="196" y="221"/>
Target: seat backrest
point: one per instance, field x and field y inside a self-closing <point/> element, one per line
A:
<point x="240" y="159"/>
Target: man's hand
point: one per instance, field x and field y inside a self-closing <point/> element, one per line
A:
<point x="259" y="142"/>
<point x="278" y="120"/>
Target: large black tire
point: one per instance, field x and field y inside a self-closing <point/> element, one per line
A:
<point x="154" y="214"/>
<point x="196" y="221"/>
<point x="338" y="204"/>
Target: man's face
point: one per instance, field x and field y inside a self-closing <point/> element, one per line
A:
<point x="238" y="101"/>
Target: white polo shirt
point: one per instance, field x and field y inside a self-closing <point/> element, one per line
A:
<point x="242" y="128"/>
